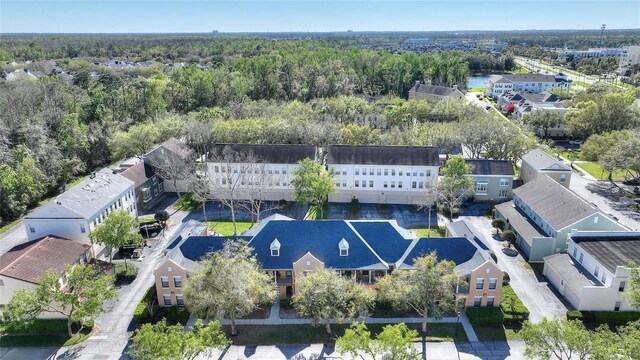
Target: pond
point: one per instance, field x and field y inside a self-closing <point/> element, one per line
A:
<point x="478" y="81"/>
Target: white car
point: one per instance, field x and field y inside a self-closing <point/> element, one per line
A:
<point x="575" y="142"/>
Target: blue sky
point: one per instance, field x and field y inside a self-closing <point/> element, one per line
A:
<point x="100" y="16"/>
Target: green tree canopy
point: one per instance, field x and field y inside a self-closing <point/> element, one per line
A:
<point x="395" y="342"/>
<point x="118" y="229"/>
<point x="312" y="183"/>
<point x="454" y="184"/>
<point x="324" y="295"/>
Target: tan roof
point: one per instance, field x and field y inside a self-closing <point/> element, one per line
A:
<point x="31" y="260"/>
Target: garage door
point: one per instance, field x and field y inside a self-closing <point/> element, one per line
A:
<point x="368" y="199"/>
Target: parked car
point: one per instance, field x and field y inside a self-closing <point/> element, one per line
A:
<point x="612" y="216"/>
<point x="631" y="181"/>
<point x="636" y="190"/>
<point x="575" y="142"/>
<point x="150" y="229"/>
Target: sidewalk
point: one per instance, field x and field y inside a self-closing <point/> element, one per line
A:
<point x="274" y="319"/>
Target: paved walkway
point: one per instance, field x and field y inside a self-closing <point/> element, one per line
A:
<point x="274" y="319"/>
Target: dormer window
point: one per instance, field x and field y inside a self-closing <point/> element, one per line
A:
<point x="344" y="247"/>
<point x="275" y="248"/>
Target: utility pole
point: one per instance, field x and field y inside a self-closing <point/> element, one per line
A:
<point x="602" y="34"/>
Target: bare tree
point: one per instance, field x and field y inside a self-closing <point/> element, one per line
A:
<point x="173" y="161"/>
<point x="428" y="200"/>
<point x="199" y="135"/>
<point x="260" y="181"/>
<point x="201" y="191"/>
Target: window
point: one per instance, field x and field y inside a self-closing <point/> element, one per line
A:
<point x="385" y="184"/>
<point x="216" y="169"/>
<point x="169" y="269"/>
<point x="371" y="171"/>
<point x="492" y="283"/>
<point x="393" y="184"/>
<point x="357" y="171"/>
<point x="481" y="187"/>
<point x="502" y="193"/>
<point x="399" y="184"/>
<point x="337" y="183"/>
<point x="343" y="245"/>
<point x="31" y="228"/>
<point x="386" y="172"/>
<point x="479" y="283"/>
<point x="275" y="252"/>
<point x="357" y="183"/>
<point x="581" y="257"/>
<point x="421" y="174"/>
<point x="604" y="278"/>
<point x="177" y="281"/>
<point x="595" y="220"/>
<point x="179" y="299"/>
<point x="378" y="172"/>
<point x="429" y="173"/>
<point x="621" y="286"/>
<point x="563" y="179"/>
<point x="477" y="301"/>
<point x="490" y="300"/>
<point x="414" y="184"/>
<point x="399" y="172"/>
<point x="420" y="185"/>
<point x="370" y="183"/>
<point x="364" y="171"/>
<point x="82" y="229"/>
<point x="617" y="306"/>
<point x="575" y="252"/>
<point x="344" y="252"/>
<point x="504" y="182"/>
<point x="284" y="171"/>
<point x="344" y="172"/>
<point x="393" y="172"/>
<point x="344" y="183"/>
<point x="165" y="281"/>
<point x="596" y="271"/>
<point x="167" y="300"/>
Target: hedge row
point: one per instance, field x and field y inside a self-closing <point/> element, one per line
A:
<point x="174" y="314"/>
<point x="604" y="317"/>
<point x="485" y="316"/>
<point x="512" y="306"/>
<point x="39" y="326"/>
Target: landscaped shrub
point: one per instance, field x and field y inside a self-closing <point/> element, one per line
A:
<point x="174" y="314"/>
<point x="39" y="326"/>
<point x="574" y="315"/>
<point x="126" y="273"/>
<point x="506" y="278"/>
<point x="384" y="209"/>
<point x="141" y="314"/>
<point x="615" y="317"/>
<point x="512" y="306"/>
<point x="354" y="207"/>
<point x="485" y="316"/>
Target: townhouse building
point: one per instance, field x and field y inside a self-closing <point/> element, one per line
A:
<point x="364" y="250"/>
<point x="593" y="274"/>
<point x="149" y="187"/>
<point x="23" y="265"/>
<point x="263" y="170"/>
<point x="76" y="212"/>
<point x="543" y="213"/>
<point x="493" y="179"/>
<point x="536" y="163"/>
<point x="173" y="161"/>
<point x="382" y="174"/>
<point x="425" y="91"/>
<point x="534" y="83"/>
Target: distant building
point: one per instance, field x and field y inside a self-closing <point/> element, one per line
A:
<point x="172" y="157"/>
<point x="493" y="179"/>
<point x="630" y="56"/>
<point x="22" y="266"/>
<point x="593" y="274"/>
<point x="543" y="213"/>
<point x="537" y="163"/>
<point x="76" y="212"/>
<point x="424" y="91"/>
<point x="596" y="53"/>
<point x="535" y="83"/>
<point x="382" y="174"/>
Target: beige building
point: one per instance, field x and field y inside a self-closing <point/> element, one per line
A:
<point x="493" y="179"/>
<point x="364" y="250"/>
<point x="22" y="266"/>
<point x="536" y="163"/>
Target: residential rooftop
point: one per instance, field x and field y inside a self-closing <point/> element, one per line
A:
<point x="383" y="155"/>
<point x="30" y="261"/>
<point x="85" y="199"/>
<point x="269" y="153"/>
<point x="436" y="90"/>
<point x="539" y="159"/>
<point x="557" y="205"/>
<point x="490" y="167"/>
<point x="610" y="248"/>
<point x="139" y="173"/>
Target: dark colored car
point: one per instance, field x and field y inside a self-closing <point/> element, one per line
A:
<point x="150" y="229"/>
<point x="631" y="181"/>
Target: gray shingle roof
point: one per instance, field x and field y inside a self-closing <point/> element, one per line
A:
<point x="85" y="199"/>
<point x="383" y="155"/>
<point x="538" y="159"/>
<point x="491" y="167"/>
<point x="436" y="90"/>
<point x="31" y="260"/>
<point x="554" y="203"/>
<point x="270" y="153"/>
<point x="611" y="249"/>
<point x="520" y="222"/>
<point x="573" y="274"/>
<point x="531" y="78"/>
<point x="139" y="173"/>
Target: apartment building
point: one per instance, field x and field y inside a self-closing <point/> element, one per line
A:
<point x="77" y="211"/>
<point x="382" y="174"/>
<point x="365" y="250"/>
<point x="493" y="179"/>
<point x="537" y="163"/>
<point x="543" y="213"/>
<point x="593" y="274"/>
<point x="630" y="56"/>
<point x="425" y="91"/>
<point x="256" y="170"/>
<point x="149" y="187"/>
<point x="534" y="83"/>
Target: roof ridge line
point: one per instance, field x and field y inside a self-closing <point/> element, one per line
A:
<point x="365" y="242"/>
<point x="31" y="248"/>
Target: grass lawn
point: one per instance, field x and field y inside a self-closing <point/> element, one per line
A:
<point x="567" y="155"/>
<point x="581" y="83"/>
<point x="314" y="214"/>
<point x="477" y="89"/>
<point x="39" y="333"/>
<point x="187" y="203"/>
<point x="40" y="340"/>
<point x="8" y="226"/>
<point x="307" y="334"/>
<point x="599" y="173"/>
<point x="225" y="227"/>
<point x="498" y="332"/>
<point x="436" y="231"/>
<point x="520" y="70"/>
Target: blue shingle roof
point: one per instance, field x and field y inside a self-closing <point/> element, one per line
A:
<point x="458" y="250"/>
<point x="195" y="247"/>
<point x="320" y="238"/>
<point x="383" y="238"/>
<point x="175" y="242"/>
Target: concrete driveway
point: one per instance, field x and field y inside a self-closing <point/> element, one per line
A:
<point x="534" y="291"/>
